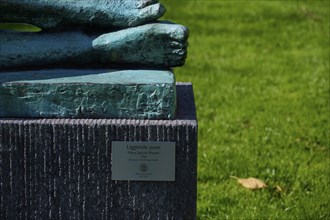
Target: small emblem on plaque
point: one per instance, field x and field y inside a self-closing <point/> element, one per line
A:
<point x="143" y="167"/>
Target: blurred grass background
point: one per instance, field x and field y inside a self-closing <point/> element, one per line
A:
<point x="260" y="71"/>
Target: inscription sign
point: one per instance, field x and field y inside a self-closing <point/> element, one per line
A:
<point x="143" y="161"/>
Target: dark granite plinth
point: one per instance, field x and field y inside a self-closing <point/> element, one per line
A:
<point x="61" y="168"/>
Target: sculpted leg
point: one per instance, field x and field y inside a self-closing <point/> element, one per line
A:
<point x="30" y="50"/>
<point x="48" y="14"/>
<point x="160" y="45"/>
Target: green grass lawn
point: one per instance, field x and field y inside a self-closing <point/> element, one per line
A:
<point x="260" y="71"/>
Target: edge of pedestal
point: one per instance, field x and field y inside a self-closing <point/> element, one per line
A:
<point x="186" y="114"/>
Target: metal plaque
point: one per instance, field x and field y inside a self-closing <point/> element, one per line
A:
<point x="143" y="161"/>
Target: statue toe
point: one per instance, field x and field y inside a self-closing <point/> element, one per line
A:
<point x="148" y="13"/>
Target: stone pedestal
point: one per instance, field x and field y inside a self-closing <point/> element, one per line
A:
<point x="61" y="168"/>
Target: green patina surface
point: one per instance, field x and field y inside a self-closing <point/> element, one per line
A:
<point x="156" y="44"/>
<point x="49" y="14"/>
<point x="133" y="94"/>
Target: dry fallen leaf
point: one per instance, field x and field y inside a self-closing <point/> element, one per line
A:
<point x="251" y="183"/>
<point x="278" y="188"/>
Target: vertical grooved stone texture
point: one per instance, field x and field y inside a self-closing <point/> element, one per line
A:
<point x="61" y="168"/>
